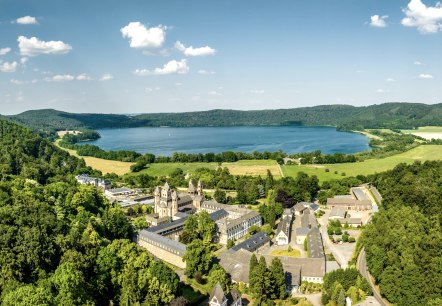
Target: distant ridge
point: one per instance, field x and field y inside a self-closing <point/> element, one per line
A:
<point x="398" y="115"/>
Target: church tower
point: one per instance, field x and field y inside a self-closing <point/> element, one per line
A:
<point x="200" y="188"/>
<point x="174" y="203"/>
<point x="191" y="190"/>
<point x="157" y="194"/>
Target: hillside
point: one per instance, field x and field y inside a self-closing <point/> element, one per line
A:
<point x="388" y="115"/>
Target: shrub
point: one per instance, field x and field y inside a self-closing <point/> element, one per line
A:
<point x="345" y="238"/>
<point x="351" y="239"/>
<point x="327" y="170"/>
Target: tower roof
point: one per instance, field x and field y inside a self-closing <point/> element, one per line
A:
<point x="218" y="293"/>
<point x="166" y="186"/>
<point x="191" y="186"/>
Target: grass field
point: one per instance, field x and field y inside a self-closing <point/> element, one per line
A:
<point x="423" y="152"/>
<point x="292" y="253"/>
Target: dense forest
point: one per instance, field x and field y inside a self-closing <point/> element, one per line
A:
<point x="345" y="117"/>
<point x="62" y="243"/>
<point x="404" y="241"/>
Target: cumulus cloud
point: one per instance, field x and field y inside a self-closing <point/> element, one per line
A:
<point x="83" y="77"/>
<point x="142" y="37"/>
<point x="390" y="80"/>
<point x="214" y="93"/>
<point x="425" y="18"/>
<point x="378" y="21"/>
<point x="425" y="76"/>
<point x="381" y="91"/>
<point x="27" y="20"/>
<point x="191" y="51"/>
<point x="205" y="72"/>
<point x="61" y="78"/>
<point x="418" y="63"/>
<point x="4" y="51"/>
<point x="106" y="77"/>
<point x="20" y="82"/>
<point x="257" y="91"/>
<point x="8" y="67"/>
<point x="172" y="67"/>
<point x="34" y="46"/>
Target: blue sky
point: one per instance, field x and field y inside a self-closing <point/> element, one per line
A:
<point x="173" y="56"/>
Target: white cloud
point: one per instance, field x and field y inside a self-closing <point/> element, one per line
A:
<point x="418" y="63"/>
<point x="425" y="18"/>
<point x="179" y="84"/>
<point x="425" y="76"/>
<point x="8" y="67"/>
<point x="4" y="51"/>
<point x="381" y="91"/>
<point x="172" y="67"/>
<point x="83" y="77"/>
<point x="142" y="37"/>
<point x="61" y="78"/>
<point x="19" y="82"/>
<point x="27" y="20"/>
<point x="34" y="46"/>
<point x="149" y="89"/>
<point x="24" y="60"/>
<point x="106" y="77"/>
<point x="214" y="93"/>
<point x="191" y="51"/>
<point x="257" y="91"/>
<point x="205" y="72"/>
<point x="378" y="21"/>
<point x="390" y="80"/>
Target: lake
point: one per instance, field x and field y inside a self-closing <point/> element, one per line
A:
<point x="290" y="139"/>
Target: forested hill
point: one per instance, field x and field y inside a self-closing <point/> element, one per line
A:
<point x="388" y="115"/>
<point x="62" y="243"/>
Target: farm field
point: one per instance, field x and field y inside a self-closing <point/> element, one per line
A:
<point x="104" y="165"/>
<point x="242" y="167"/>
<point x="423" y="153"/>
<point x="427" y="132"/>
<point x="253" y="167"/>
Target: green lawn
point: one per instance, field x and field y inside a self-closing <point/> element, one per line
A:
<point x="423" y="152"/>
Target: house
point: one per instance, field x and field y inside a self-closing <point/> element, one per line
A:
<point x="253" y="243"/>
<point x="337" y="213"/>
<point x="218" y="298"/>
<point x="299" y="209"/>
<point x="85" y="179"/>
<point x="282" y="234"/>
<point x="348" y="202"/>
<point x="312" y="206"/>
<point x="353" y="222"/>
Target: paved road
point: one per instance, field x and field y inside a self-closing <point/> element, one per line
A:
<point x="329" y="244"/>
<point x="362" y="267"/>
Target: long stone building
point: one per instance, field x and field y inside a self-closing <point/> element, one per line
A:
<point x="172" y="209"/>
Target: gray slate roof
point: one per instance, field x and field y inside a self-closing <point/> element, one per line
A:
<point x="163" y="242"/>
<point x="253" y="243"/>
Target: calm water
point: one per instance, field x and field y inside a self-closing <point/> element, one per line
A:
<point x="290" y="139"/>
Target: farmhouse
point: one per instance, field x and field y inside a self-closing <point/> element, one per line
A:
<point x="219" y="298"/>
<point x="282" y="235"/>
<point x="348" y="202"/>
<point x="99" y="183"/>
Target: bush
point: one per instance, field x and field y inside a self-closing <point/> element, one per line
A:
<point x="345" y="238"/>
<point x="343" y="174"/>
<point x="327" y="170"/>
<point x="338" y="231"/>
<point x="336" y="172"/>
<point x="351" y="239"/>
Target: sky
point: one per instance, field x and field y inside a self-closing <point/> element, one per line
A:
<point x="144" y="56"/>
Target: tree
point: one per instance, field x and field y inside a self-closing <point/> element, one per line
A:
<point x="70" y="285"/>
<point x="179" y="301"/>
<point x="278" y="278"/>
<point x="230" y="243"/>
<point x="116" y="224"/>
<point x="198" y="257"/>
<point x="220" y="196"/>
<point x="140" y="223"/>
<point x="206" y="226"/>
<point x="29" y="295"/>
<point x="218" y="274"/>
<point x="261" y="283"/>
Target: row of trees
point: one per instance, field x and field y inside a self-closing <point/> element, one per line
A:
<point x="266" y="282"/>
<point x="340" y="284"/>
